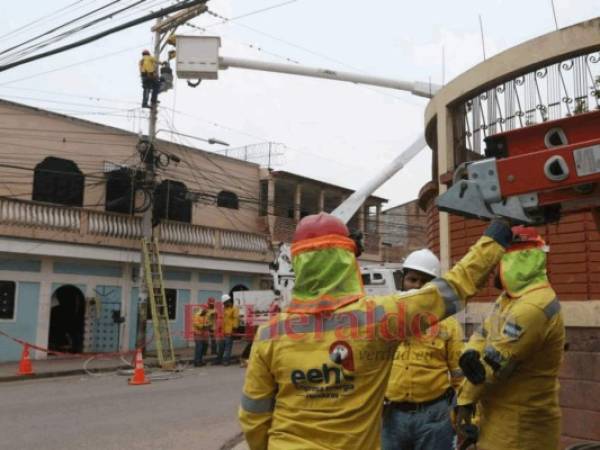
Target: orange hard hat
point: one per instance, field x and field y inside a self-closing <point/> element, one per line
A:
<point x="526" y="237"/>
<point x="317" y="225"/>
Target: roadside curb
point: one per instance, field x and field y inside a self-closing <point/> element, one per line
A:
<point x="82" y="371"/>
<point x="79" y="371"/>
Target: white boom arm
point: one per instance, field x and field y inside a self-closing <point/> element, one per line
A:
<point x="349" y="206"/>
<point x="418" y="88"/>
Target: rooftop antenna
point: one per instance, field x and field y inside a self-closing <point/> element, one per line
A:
<point x="554" y="14"/>
<point x="482" y="39"/>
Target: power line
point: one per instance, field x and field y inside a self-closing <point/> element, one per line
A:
<point x="41" y="19"/>
<point x="77" y="19"/>
<point x="251" y="13"/>
<point x="95" y="37"/>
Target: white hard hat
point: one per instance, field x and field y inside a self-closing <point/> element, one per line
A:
<point x="423" y="261"/>
<point x="225" y="298"/>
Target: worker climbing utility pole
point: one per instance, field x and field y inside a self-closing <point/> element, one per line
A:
<point x="147" y="143"/>
<point x="162" y="29"/>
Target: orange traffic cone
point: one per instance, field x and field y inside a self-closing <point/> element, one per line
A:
<point x="139" y="376"/>
<point x="25" y="363"/>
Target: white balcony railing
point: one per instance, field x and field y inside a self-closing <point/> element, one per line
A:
<point x="233" y="240"/>
<point x="186" y="234"/>
<point x="117" y="226"/>
<point x="13" y="212"/>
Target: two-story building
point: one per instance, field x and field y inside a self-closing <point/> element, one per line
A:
<point x="72" y="195"/>
<point x="286" y="197"/>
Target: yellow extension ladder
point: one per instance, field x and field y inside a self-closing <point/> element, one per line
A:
<point x="158" y="303"/>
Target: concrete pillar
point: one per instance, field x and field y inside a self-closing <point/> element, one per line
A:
<point x="377" y="219"/>
<point x="321" y="200"/>
<point x="271" y="197"/>
<point x="361" y="218"/>
<point x="297" y="201"/>
<point x="445" y="155"/>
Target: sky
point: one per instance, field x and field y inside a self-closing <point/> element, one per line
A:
<point x="340" y="133"/>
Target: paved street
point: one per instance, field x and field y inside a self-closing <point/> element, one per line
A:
<point x="196" y="411"/>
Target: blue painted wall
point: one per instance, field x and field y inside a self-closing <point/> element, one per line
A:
<point x="177" y="326"/>
<point x="210" y="277"/>
<point x="203" y="296"/>
<point x="80" y="268"/>
<point x="25" y="325"/>
<point x="247" y="280"/>
<point x="177" y="275"/>
<point x="20" y="265"/>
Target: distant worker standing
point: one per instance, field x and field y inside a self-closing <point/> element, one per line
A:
<point x="230" y="321"/>
<point x="425" y="373"/>
<point x="200" y="326"/>
<point x="317" y="373"/>
<point x="150" y="81"/>
<point x="511" y="363"/>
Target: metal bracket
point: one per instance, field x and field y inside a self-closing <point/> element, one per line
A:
<point x="465" y="199"/>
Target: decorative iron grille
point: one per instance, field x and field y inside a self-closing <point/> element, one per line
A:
<point x="559" y="90"/>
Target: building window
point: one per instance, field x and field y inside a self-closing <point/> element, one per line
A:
<point x="226" y="199"/>
<point x="7" y="299"/>
<point x="120" y="191"/>
<point x="263" y="206"/>
<point x="171" y="202"/>
<point x="171" y="296"/>
<point x="57" y="180"/>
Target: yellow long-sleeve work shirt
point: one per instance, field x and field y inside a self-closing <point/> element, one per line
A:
<point x="318" y="382"/>
<point x="426" y="366"/>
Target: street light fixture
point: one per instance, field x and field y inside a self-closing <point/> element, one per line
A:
<point x="211" y="141"/>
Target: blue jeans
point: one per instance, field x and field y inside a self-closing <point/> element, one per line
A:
<point x="224" y="347"/>
<point x="426" y="429"/>
<point x="200" y="349"/>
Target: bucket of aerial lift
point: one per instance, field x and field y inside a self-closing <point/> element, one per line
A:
<point x="198" y="57"/>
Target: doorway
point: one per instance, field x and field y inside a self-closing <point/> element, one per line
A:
<point x="67" y="318"/>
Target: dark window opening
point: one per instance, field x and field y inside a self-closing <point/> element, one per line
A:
<point x="67" y="320"/>
<point x="263" y="207"/>
<point x="121" y="185"/>
<point x="7" y="299"/>
<point x="171" y="297"/>
<point x="226" y="199"/>
<point x="171" y="202"/>
<point x="57" y="180"/>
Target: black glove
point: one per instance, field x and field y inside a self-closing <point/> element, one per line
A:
<point x="357" y="236"/>
<point x="472" y="367"/>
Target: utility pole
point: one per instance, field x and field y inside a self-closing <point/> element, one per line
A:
<point x="161" y="29"/>
<point x="147" y="228"/>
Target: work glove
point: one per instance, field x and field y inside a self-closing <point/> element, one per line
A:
<point x="471" y="365"/>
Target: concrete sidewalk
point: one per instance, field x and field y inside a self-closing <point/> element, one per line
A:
<point x="55" y="366"/>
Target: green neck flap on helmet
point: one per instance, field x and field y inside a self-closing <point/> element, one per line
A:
<point x="327" y="277"/>
<point x="523" y="270"/>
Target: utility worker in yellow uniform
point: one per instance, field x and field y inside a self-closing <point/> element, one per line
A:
<point x="150" y="82"/>
<point x="200" y="325"/>
<point x="231" y="320"/>
<point x="512" y="362"/>
<point x="425" y="374"/>
<point x="318" y="372"/>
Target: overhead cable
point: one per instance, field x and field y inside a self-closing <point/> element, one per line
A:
<point x="95" y="37"/>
